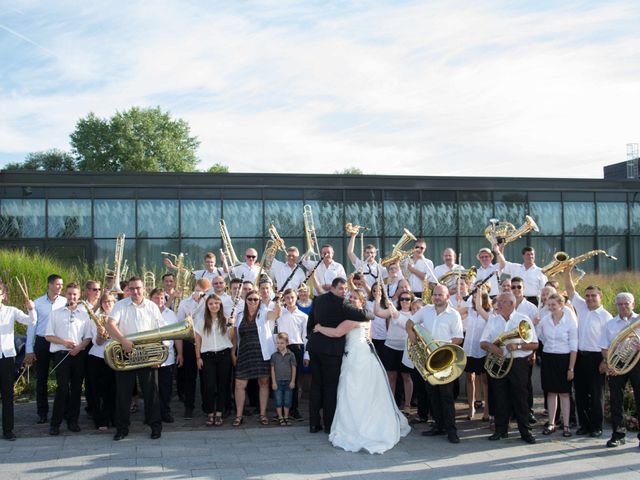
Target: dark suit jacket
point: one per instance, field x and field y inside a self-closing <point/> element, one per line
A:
<point x="329" y="310"/>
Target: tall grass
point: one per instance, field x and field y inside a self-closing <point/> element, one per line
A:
<point x="610" y="286"/>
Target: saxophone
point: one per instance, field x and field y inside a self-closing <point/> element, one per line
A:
<point x="100" y="321"/>
<point x="562" y="261"/>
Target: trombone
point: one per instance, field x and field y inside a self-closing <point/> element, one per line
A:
<point x="313" y="250"/>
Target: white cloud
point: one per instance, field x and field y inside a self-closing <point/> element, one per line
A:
<point x="406" y="88"/>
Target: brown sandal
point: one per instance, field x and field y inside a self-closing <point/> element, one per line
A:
<point x="210" y="420"/>
<point x="237" y="422"/>
<point x="218" y="420"/>
<point x="264" y="420"/>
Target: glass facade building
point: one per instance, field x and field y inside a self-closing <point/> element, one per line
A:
<point x="80" y="214"/>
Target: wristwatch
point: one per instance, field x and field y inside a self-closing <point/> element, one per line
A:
<point x="519" y="346"/>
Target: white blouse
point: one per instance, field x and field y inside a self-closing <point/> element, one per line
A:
<point x="378" y="325"/>
<point x="397" y="333"/>
<point x="560" y="338"/>
<point x="475" y="326"/>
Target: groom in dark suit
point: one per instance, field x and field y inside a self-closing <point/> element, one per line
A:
<point x="329" y="310"/>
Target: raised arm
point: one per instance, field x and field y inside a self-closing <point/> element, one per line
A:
<point x="340" y="331"/>
<point x="568" y="283"/>
<point x="350" y="250"/>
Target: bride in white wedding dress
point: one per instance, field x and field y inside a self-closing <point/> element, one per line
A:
<point x="366" y="417"/>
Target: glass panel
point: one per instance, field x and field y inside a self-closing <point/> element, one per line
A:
<point x="399" y="215"/>
<point x="579" y="245"/>
<point x="510" y="212"/>
<point x="105" y="252"/>
<point x="635" y="217"/>
<point x="157" y="218"/>
<point x="579" y="218"/>
<point x="22" y="218"/>
<point x="366" y="214"/>
<point x="105" y="211"/>
<point x="286" y="216"/>
<point x="545" y="247"/>
<point x="243" y="218"/>
<point x="469" y="247"/>
<point x="199" y="218"/>
<point x="196" y="248"/>
<point x="327" y="217"/>
<point x="635" y="253"/>
<point x="148" y="252"/>
<point x="474" y="217"/>
<point x="69" y="218"/>
<point x="513" y="250"/>
<point x="612" y="218"/>
<point x="548" y="216"/>
<point x="439" y="218"/>
<point x="616" y="246"/>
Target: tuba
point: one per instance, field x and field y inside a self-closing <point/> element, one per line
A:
<point x="505" y="232"/>
<point x="113" y="277"/>
<point x="561" y="261"/>
<point x="498" y="367"/>
<point x="100" y="321"/>
<point x="437" y="362"/>
<point x="397" y="254"/>
<point x="148" y="349"/>
<point x="623" y="353"/>
<point x="313" y="249"/>
<point x="228" y="250"/>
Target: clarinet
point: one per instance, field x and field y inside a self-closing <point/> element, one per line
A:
<point x="478" y="285"/>
<point x="236" y="300"/>
<point x="312" y="271"/>
<point x="293" y="272"/>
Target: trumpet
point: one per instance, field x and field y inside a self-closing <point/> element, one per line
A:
<point x="351" y="229"/>
<point x="505" y="232"/>
<point x="313" y="249"/>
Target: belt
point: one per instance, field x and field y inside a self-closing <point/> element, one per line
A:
<point x="588" y="352"/>
<point x="213" y="354"/>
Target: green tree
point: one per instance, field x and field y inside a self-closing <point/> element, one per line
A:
<point x="350" y="171"/>
<point x="53" y="160"/>
<point x="136" y="140"/>
<point x="218" y="168"/>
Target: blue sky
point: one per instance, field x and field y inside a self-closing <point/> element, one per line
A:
<point x="427" y="88"/>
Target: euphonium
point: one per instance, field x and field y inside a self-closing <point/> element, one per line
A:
<point x="505" y="232"/>
<point x="229" y="252"/>
<point x="113" y="277"/>
<point x="623" y="353"/>
<point x="397" y="254"/>
<point x="100" y="321"/>
<point x="497" y="366"/>
<point x="148" y="349"/>
<point x="562" y="261"/>
<point x="313" y="249"/>
<point x="437" y="362"/>
<point x="450" y="279"/>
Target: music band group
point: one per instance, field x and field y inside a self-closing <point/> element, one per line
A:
<point x="242" y="329"/>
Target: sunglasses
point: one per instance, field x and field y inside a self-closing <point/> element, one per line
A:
<point x="95" y="289"/>
<point x="405" y="299"/>
<point x="251" y="256"/>
<point x="516" y="287"/>
<point x="253" y="299"/>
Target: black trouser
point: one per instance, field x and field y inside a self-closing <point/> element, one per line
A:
<point x="443" y="407"/>
<point x="589" y="385"/>
<point x="165" y="382"/>
<point x="324" y="388"/>
<point x="617" y="385"/>
<point x="296" y="349"/>
<point x="510" y="395"/>
<point x="7" y="365"/>
<point x="43" y="362"/>
<point x="420" y="390"/>
<point x="530" y="385"/>
<point x="216" y="370"/>
<point x="103" y="384"/>
<point x="148" y="378"/>
<point x="69" y="376"/>
<point x="190" y="368"/>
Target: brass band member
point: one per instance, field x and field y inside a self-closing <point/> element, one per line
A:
<point x="372" y="270"/>
<point x="280" y="271"/>
<point x="528" y="271"/>
<point x="8" y="317"/>
<point x="510" y="393"/>
<point x="617" y="383"/>
<point x="486" y="268"/>
<point x="69" y="333"/>
<point x="132" y="315"/>
<point x="250" y="268"/>
<point x="419" y="267"/>
<point x="37" y="347"/>
<point x="210" y="272"/>
<point x="476" y="376"/>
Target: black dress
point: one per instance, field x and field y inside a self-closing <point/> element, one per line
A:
<point x="250" y="362"/>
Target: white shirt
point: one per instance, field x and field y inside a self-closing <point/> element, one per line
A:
<point x="8" y="317"/>
<point x="475" y="327"/>
<point x="131" y="318"/>
<point x="444" y="326"/>
<point x="590" y="324"/>
<point x="613" y="328"/>
<point x="378" y="325"/>
<point x="68" y="325"/>
<point x="560" y="338"/>
<point x="483" y="273"/>
<point x="227" y="305"/>
<point x="528" y="309"/>
<point x="397" y="332"/>
<point x="425" y="266"/>
<point x="280" y="271"/>
<point x="497" y="325"/>
<point x="189" y="306"/>
<point x="214" y="341"/>
<point x="96" y="350"/>
<point x="169" y="318"/>
<point x="294" y="324"/>
<point x="533" y="277"/>
<point x="327" y="274"/>
<point x="44" y="307"/>
<point x="250" y="273"/>
<point x="440" y="270"/>
<point x="372" y="271"/>
<point x="198" y="274"/>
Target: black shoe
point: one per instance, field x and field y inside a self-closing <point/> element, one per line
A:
<point x="296" y="415"/>
<point x="616" y="442"/>
<point x="582" y="431"/>
<point x="74" y="427"/>
<point x="498" y="436"/>
<point x="453" y="437"/>
<point x="155" y="434"/>
<point x="120" y="434"/>
<point x="188" y="413"/>
<point x="532" y="419"/>
<point x="528" y="438"/>
<point x="168" y="418"/>
<point x="596" y="434"/>
<point x="42" y="419"/>
<point x="433" y="432"/>
<point x="9" y="436"/>
<point x="54" y="430"/>
<point x="315" y="428"/>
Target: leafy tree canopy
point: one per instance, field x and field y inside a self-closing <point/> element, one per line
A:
<point x="53" y="160"/>
<point x="350" y="171"/>
<point x="218" y="168"/>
